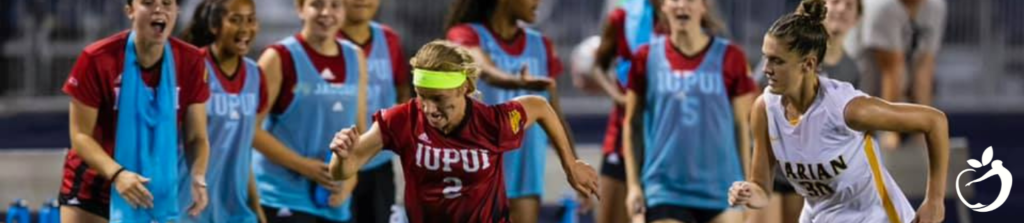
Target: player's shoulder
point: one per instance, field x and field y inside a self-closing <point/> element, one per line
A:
<point x="830" y="85"/>
<point x="463" y="34"/>
<point x="399" y="111"/>
<point x="732" y="49"/>
<point x="108" y="46"/>
<point x="491" y="109"/>
<point x="617" y="14"/>
<point x="186" y="54"/>
<point x="495" y="114"/>
<point x="838" y="93"/>
<point x="185" y="49"/>
<point x="462" y="28"/>
<point x="279" y="50"/>
<point x="388" y="31"/>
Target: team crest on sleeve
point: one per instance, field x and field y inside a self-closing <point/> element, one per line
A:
<point x="513" y="119"/>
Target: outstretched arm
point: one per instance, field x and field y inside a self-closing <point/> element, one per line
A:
<point x="352" y="150"/>
<point x="581" y="176"/>
<point x="499" y="78"/>
<point x="754" y="192"/>
<point x="603" y="60"/>
<point x="870" y="114"/>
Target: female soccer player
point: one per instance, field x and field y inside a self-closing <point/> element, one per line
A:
<point x="842" y="16"/>
<point x="515" y="61"/>
<point x="316" y="85"/>
<point x="630" y="25"/>
<point x="132" y="94"/>
<point x="388" y="84"/>
<point x="451" y="145"/>
<point x="225" y="29"/>
<point x="819" y="131"/>
<point x="693" y="93"/>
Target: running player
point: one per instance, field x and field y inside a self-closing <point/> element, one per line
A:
<point x="451" y="146"/>
<point x="818" y="130"/>
<point x="225" y="29"/>
<point x="388" y="84"/>
<point x="693" y="93"/>
<point x="630" y="25"/>
<point x="842" y="17"/>
<point x="515" y="61"/>
<point x="316" y="84"/>
<point x="132" y="94"/>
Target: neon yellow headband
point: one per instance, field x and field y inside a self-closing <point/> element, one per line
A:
<point x="438" y="79"/>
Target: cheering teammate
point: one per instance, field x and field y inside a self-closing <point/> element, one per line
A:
<point x="316" y="85"/>
<point x="452" y="146"/>
<point x="132" y="94"/>
<point x="818" y="130"/>
<point x="225" y="28"/>
<point x="514" y="61"/>
<point x="388" y="84"/>
<point x="693" y="93"/>
<point x="631" y="25"/>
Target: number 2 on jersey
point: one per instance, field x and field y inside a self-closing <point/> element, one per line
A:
<point x="453" y="191"/>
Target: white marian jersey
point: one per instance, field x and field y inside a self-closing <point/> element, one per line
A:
<point x="835" y="168"/>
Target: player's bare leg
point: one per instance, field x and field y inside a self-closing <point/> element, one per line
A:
<point x="613" y="210"/>
<point x="525" y="209"/>
<point x="792" y="205"/>
<point x="70" y="214"/>
<point x="729" y="216"/>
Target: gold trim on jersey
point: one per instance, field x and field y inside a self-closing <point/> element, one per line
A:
<point x="876" y="172"/>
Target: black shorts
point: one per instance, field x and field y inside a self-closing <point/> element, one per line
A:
<point x="683" y="214"/>
<point x="275" y="215"/>
<point x="92" y="206"/>
<point x="613" y="165"/>
<point x="781" y="185"/>
<point x="374" y="194"/>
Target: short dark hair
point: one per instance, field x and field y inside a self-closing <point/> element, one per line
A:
<point x="208" y="15"/>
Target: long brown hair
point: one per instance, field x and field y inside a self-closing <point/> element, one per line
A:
<point x="803" y="30"/>
<point x="467" y="11"/>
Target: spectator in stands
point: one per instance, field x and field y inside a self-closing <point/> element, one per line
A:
<point x="895" y="46"/>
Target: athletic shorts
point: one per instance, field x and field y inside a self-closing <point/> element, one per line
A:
<point x="374" y="194"/>
<point x="683" y="214"/>
<point x="612" y="165"/>
<point x="780" y="184"/>
<point x="275" y="215"/>
<point x="91" y="205"/>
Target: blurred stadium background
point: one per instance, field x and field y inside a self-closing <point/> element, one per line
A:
<point x="979" y="79"/>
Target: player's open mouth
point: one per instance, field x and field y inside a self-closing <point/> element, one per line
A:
<point x="242" y="42"/>
<point x="158" y="25"/>
<point x="324" y="23"/>
<point x="683" y="17"/>
<point x="436" y="116"/>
